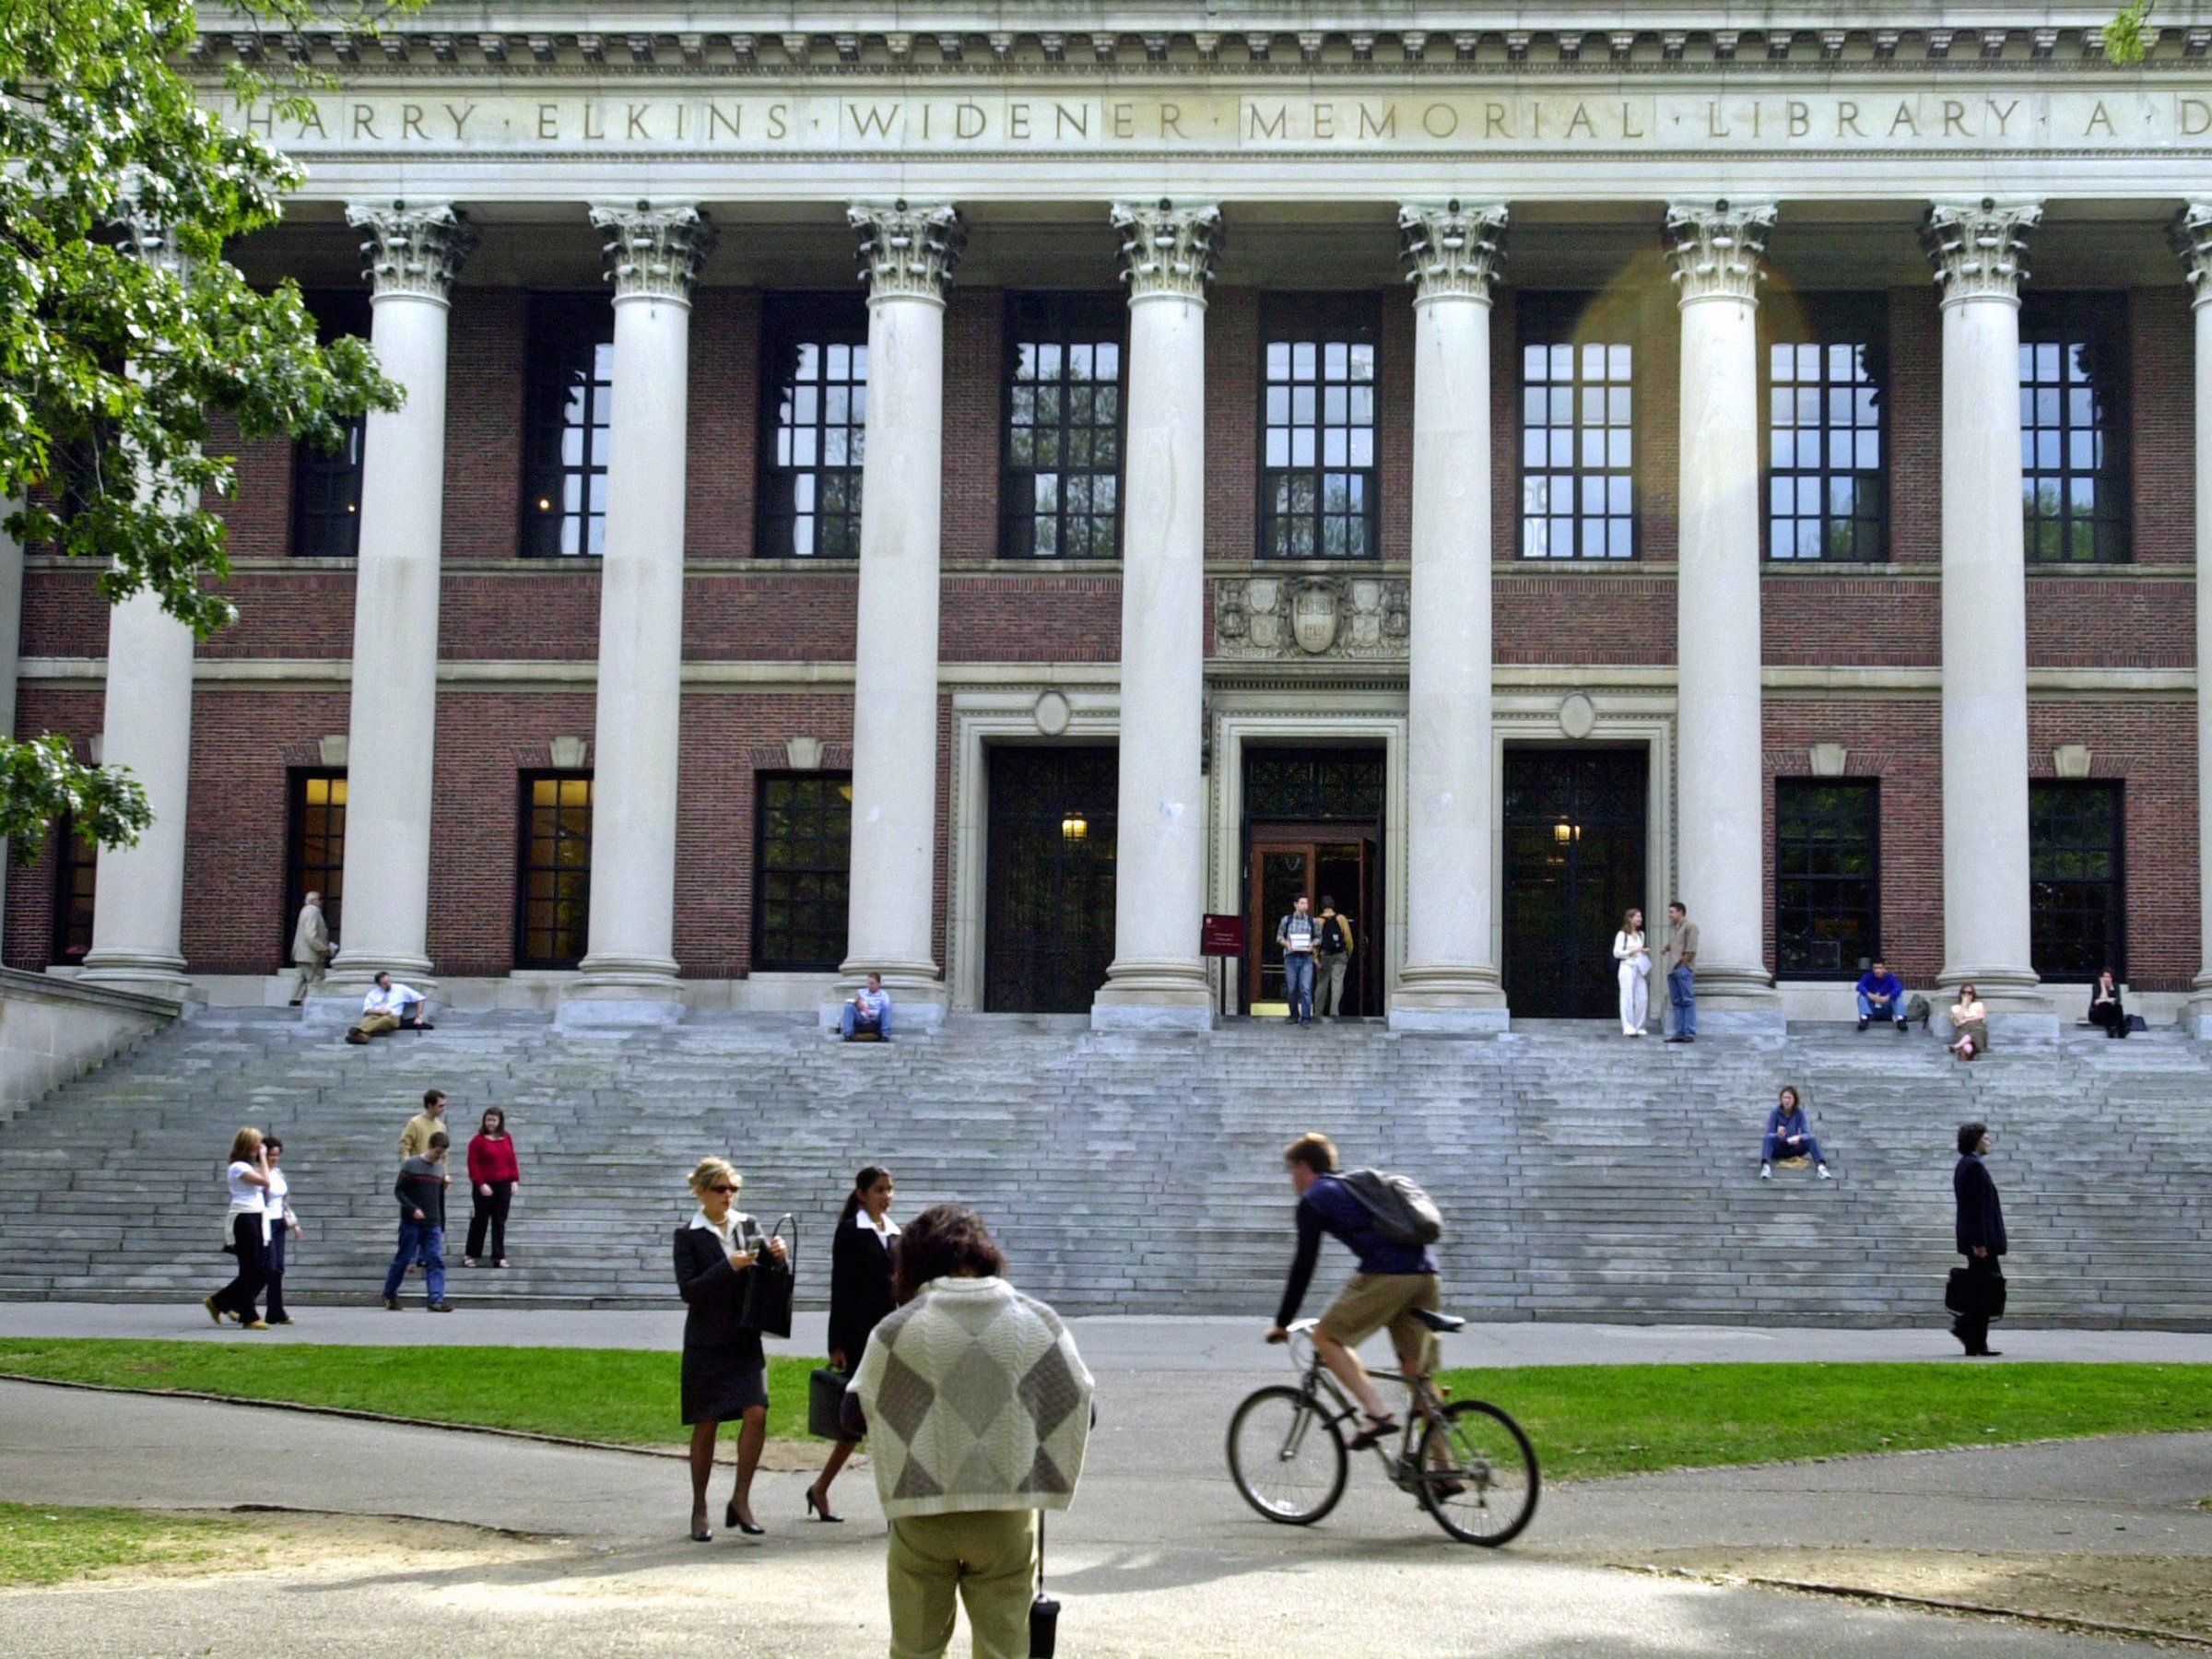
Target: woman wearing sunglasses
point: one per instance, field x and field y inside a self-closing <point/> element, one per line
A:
<point x="726" y="1374"/>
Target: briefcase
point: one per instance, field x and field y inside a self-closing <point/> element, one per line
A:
<point x="825" y="1403"/>
<point x="1974" y="1294"/>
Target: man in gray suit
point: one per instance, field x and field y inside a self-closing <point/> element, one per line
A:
<point x="310" y="947"/>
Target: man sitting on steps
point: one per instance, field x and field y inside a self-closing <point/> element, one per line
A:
<point x="867" y="1018"/>
<point x="1881" y="996"/>
<point x="389" y="1008"/>
<point x="1394" y="1281"/>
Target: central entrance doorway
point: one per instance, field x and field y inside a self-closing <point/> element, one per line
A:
<point x="1048" y="909"/>
<point x="1312" y="825"/>
<point x="1575" y="821"/>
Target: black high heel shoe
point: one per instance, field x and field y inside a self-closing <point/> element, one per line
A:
<point x="814" y="1507"/>
<point x="701" y="1533"/>
<point x="752" y="1529"/>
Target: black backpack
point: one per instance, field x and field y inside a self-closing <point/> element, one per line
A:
<point x="1331" y="936"/>
<point x="1402" y="1212"/>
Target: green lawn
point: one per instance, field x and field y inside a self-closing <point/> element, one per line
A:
<point x="47" y="1544"/>
<point x="1619" y="1419"/>
<point x="1585" y="1420"/>
<point x="617" y="1394"/>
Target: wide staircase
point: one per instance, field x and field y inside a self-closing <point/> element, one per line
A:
<point x="1581" y="1176"/>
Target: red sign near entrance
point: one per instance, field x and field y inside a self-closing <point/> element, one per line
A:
<point x="1221" y="937"/>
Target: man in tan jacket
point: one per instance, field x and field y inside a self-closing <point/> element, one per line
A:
<point x="310" y="947"/>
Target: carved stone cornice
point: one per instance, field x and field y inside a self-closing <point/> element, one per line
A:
<point x="1310" y="618"/>
<point x="1167" y="249"/>
<point x="1979" y="249"/>
<point x="1452" y="252"/>
<point x="2191" y="234"/>
<point x="416" y="250"/>
<point x="907" y="252"/>
<point x="654" y="253"/>
<point x="1718" y="248"/>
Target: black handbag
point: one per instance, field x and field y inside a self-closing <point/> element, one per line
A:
<point x="768" y="1285"/>
<point x="1044" y="1612"/>
<point x="1973" y="1293"/>
<point x="826" y="1404"/>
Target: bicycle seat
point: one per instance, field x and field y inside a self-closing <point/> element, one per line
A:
<point x="1439" y="1322"/>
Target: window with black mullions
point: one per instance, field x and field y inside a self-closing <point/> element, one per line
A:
<point x="813" y="424"/>
<point x="2077" y="833"/>
<point x="1317" y="478"/>
<point x="1828" y="887"/>
<point x="1578" y="434"/>
<point x="314" y="850"/>
<point x="2072" y="428"/>
<point x="75" y="890"/>
<point x="327" y="484"/>
<point x="567" y="417"/>
<point x="553" y="894"/>
<point x="1060" y="492"/>
<point x="803" y="840"/>
<point x="1826" y="397"/>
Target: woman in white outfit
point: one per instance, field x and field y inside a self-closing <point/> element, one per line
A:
<point x="1635" y="973"/>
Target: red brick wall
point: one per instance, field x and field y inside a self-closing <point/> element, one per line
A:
<point x="75" y="714"/>
<point x="764" y="615"/>
<point x="974" y="347"/>
<point x="486" y="355"/>
<point x="1915" y="427"/>
<point x="1232" y="363"/>
<point x="1832" y="617"/>
<point x="722" y="472"/>
<point x="1394" y="425"/>
<point x="1031" y="618"/>
<point x="1900" y="743"/>
<point x="2163" y="417"/>
<point x="258" y="512"/>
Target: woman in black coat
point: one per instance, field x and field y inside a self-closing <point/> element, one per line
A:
<point x="726" y="1374"/>
<point x="2106" y="1009"/>
<point x="1981" y="1238"/>
<point x="860" y="1295"/>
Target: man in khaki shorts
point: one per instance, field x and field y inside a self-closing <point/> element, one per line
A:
<point x="1394" y="1281"/>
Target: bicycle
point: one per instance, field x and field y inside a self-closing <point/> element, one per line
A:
<point x="1466" y="1462"/>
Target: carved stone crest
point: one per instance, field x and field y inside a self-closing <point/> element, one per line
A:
<point x="1305" y="616"/>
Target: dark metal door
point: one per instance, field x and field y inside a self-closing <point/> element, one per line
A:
<point x="1574" y="861"/>
<point x="1049" y="903"/>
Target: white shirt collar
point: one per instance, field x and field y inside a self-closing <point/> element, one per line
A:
<point x="889" y="1230"/>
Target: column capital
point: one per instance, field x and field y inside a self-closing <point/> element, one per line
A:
<point x="416" y="248"/>
<point x="1451" y="252"/>
<point x="1167" y="249"/>
<point x="654" y="252"/>
<point x="2191" y="234"/>
<point x="1979" y="249"/>
<point x="1718" y="248"/>
<point x="907" y="252"/>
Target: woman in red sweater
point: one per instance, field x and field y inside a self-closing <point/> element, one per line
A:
<point x="493" y="1175"/>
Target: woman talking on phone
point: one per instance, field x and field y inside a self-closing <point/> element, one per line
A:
<point x="725" y="1372"/>
<point x="860" y="1295"/>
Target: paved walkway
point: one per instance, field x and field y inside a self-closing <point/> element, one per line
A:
<point x="1133" y="1343"/>
<point x="1157" y="1557"/>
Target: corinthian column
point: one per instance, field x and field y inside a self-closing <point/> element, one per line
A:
<point x="629" y="970"/>
<point x="414" y="252"/>
<point x="1449" y="982"/>
<point x="2193" y="241"/>
<point x="906" y="256"/>
<point x="1979" y="251"/>
<point x="1716" y="248"/>
<point x="138" y="922"/>
<point x="1157" y="978"/>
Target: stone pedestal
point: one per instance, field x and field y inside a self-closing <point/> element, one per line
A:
<point x="1717" y="248"/>
<point x="628" y="974"/>
<point x="414" y="253"/>
<point x="1979" y="251"/>
<point x="1449" y="982"/>
<point x="2193" y="241"/>
<point x="907" y="253"/>
<point x="1158" y="980"/>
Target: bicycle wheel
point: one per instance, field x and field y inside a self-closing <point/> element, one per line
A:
<point x="1287" y="1458"/>
<point x="1481" y="1451"/>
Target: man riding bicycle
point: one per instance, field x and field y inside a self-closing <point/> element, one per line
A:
<point x="1395" y="1283"/>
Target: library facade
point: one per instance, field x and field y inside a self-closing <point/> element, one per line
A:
<point x="907" y="496"/>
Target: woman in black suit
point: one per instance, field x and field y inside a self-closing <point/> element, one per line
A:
<point x="1980" y="1238"/>
<point x="860" y="1295"/>
<point x="726" y="1374"/>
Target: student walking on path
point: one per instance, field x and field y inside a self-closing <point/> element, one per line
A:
<point x="493" y="1174"/>
<point x="979" y="1408"/>
<point x="861" y="1256"/>
<point x="421" y="1189"/>
<point x="247" y="1180"/>
<point x="1633" y="968"/>
<point x="1980" y="1236"/>
<point x="725" y="1371"/>
<point x="279" y="1223"/>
